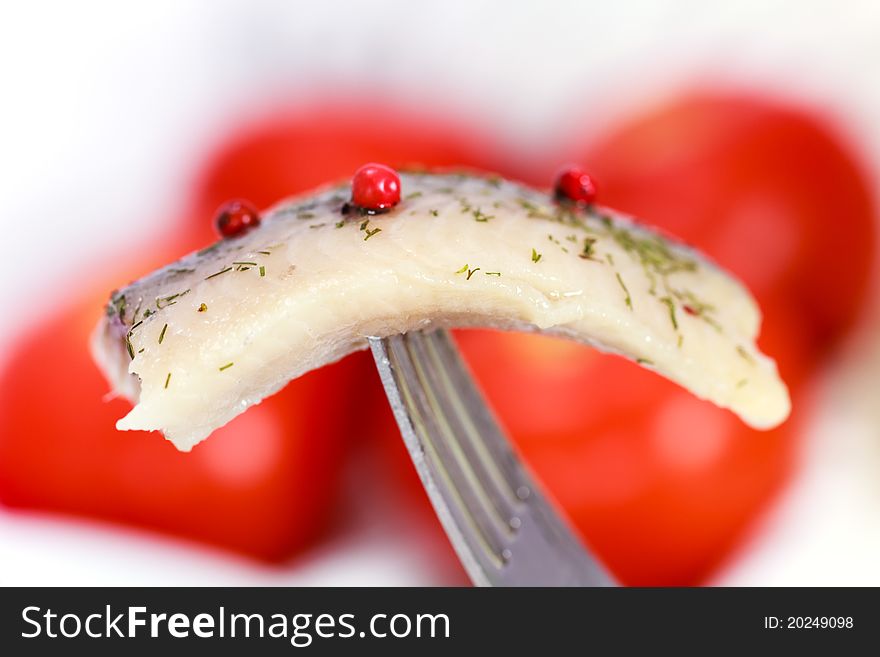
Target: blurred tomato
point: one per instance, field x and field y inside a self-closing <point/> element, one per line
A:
<point x="659" y="483"/>
<point x="263" y="485"/>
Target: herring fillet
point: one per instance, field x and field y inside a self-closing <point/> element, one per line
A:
<point x="199" y="341"/>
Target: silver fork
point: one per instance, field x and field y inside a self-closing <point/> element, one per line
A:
<point x="504" y="531"/>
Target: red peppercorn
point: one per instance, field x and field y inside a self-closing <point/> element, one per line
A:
<point x="375" y="188"/>
<point x="689" y="309"/>
<point x="235" y="218"/>
<point x="573" y="184"/>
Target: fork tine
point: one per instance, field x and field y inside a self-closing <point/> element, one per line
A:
<point x="452" y="473"/>
<point x="496" y="518"/>
<point x="495" y="490"/>
<point x="482" y="425"/>
<point x="495" y="443"/>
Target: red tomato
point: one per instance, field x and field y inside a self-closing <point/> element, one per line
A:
<point x="262" y="485"/>
<point x="633" y="459"/>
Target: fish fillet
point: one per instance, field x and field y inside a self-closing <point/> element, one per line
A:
<point x="196" y="343"/>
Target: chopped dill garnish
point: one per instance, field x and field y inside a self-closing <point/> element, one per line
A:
<point x="536" y="257"/>
<point x="137" y="308"/>
<point x="305" y="215"/>
<point x="698" y="308"/>
<point x="610" y="259"/>
<point x="565" y="213"/>
<point x="413" y="195"/>
<point x="463" y="269"/>
<point x="262" y="270"/>
<point x="481" y="217"/>
<point x="628" y="300"/>
<point x="494" y="181"/>
<point x="141" y="350"/>
<point x="711" y="321"/>
<point x="434" y="213"/>
<point x="222" y="271"/>
<point x="226" y="367"/>
<point x="149" y="312"/>
<point x="372" y="232"/>
<point x="492" y="273"/>
<point x="644" y="361"/>
<point x="364" y="224"/>
<point x="208" y="249"/>
<point x="129" y="347"/>
<point x="445" y="190"/>
<point x="162" y="334"/>
<point x="745" y="355"/>
<point x="534" y="212"/>
<point x="680" y="340"/>
<point x="340" y="223"/>
<point x="167" y="380"/>
<point x="170" y="300"/>
<point x="264" y="252"/>
<point x="571" y="238"/>
<point x="471" y="272"/>
<point x="652" y="251"/>
<point x="741" y="383"/>
<point x="669" y="303"/>
<point x="242" y="263"/>
<point x="317" y="225"/>
<point x="202" y="307"/>
<point x="588" y="250"/>
<point x="117" y="306"/>
<point x="131" y="330"/>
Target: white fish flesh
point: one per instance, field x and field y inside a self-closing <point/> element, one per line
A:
<point x="199" y="341"/>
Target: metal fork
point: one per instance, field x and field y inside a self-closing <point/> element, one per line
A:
<point x="504" y="531"/>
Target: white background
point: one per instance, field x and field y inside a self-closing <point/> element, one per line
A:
<point x="103" y="105"/>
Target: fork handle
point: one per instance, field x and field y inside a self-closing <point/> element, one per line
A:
<point x="537" y="547"/>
